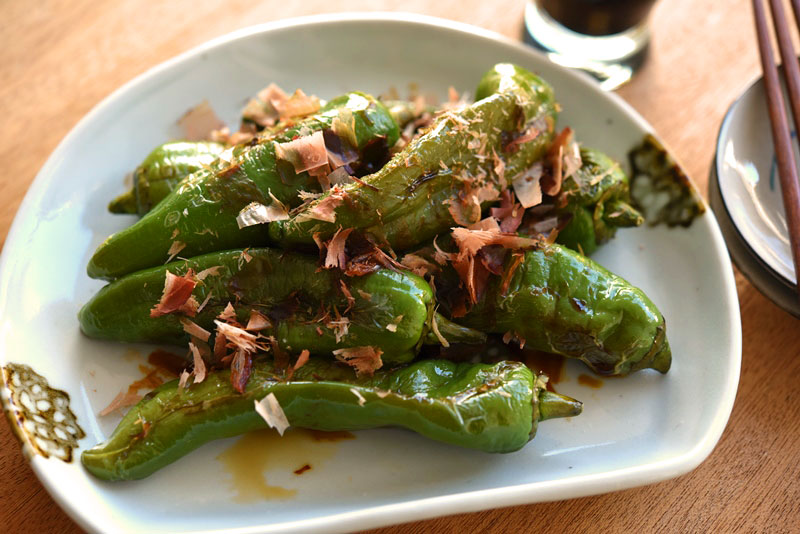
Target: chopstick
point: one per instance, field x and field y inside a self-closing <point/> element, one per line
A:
<point x="784" y="153"/>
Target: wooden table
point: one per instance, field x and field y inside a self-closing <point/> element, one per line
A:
<point x="58" y="59"/>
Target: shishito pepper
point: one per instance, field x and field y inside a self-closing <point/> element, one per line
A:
<point x="559" y="301"/>
<point x="200" y="215"/>
<point x="307" y="308"/>
<point x="161" y="171"/>
<point x="597" y="198"/>
<point x="405" y="112"/>
<point x="492" y="408"/>
<point x="465" y="159"/>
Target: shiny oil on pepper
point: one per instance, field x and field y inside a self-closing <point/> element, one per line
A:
<point x="464" y="160"/>
<point x="199" y="216"/>
<point x="559" y="301"/>
<point x="492" y="408"/>
<point x="597" y="199"/>
<point x="307" y="308"/>
<point x="161" y="172"/>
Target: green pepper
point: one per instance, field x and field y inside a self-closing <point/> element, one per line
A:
<point x="597" y="198"/>
<point x="559" y="301"/>
<point x="200" y="215"/>
<point x="410" y="200"/>
<point x="492" y="408"/>
<point x="161" y="171"/>
<point x="391" y="311"/>
<point x="404" y="112"/>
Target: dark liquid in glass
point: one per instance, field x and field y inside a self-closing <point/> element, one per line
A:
<point x="597" y="17"/>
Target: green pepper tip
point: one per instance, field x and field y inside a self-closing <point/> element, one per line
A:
<point x="451" y="332"/>
<point x="663" y="358"/>
<point x="124" y="203"/>
<point x="554" y="405"/>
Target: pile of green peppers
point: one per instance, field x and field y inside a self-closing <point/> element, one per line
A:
<point x="555" y="298"/>
<point x="200" y="212"/>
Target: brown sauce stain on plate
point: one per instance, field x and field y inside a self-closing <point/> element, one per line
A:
<point x="131" y="355"/>
<point x="253" y="456"/>
<point x="592" y="382"/>
<point x="149" y="381"/>
<point x="40" y="415"/>
<point x="551" y="365"/>
<point x="336" y="435"/>
<point x="302" y="469"/>
<point x="152" y="377"/>
<point x="167" y="361"/>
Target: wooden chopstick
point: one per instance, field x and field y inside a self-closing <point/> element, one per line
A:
<point x="784" y="153"/>
<point x="796" y="9"/>
<point x="791" y="68"/>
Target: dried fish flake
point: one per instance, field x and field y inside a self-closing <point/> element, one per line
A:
<point x="361" y="400"/>
<point x="270" y="410"/>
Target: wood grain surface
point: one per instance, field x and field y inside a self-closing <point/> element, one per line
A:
<point x="59" y="59"/>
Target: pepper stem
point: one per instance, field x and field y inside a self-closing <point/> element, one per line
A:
<point x="621" y="214"/>
<point x="451" y="332"/>
<point x="125" y="203"/>
<point x="660" y="355"/>
<point x="554" y="405"/>
<point x="663" y="359"/>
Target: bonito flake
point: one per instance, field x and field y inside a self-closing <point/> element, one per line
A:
<point x="270" y="410"/>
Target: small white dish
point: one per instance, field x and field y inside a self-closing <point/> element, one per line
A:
<point x="748" y="181"/>
<point x="635" y="431"/>
<point x="751" y="266"/>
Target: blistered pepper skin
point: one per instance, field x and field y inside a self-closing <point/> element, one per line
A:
<point x="562" y="302"/>
<point x="404" y="111"/>
<point x="289" y="289"/>
<point x="161" y="172"/>
<point x="598" y="198"/>
<point x="408" y="201"/>
<point x="492" y="408"/>
<point x="200" y="214"/>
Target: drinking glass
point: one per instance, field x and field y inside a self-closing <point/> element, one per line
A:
<point x="606" y="38"/>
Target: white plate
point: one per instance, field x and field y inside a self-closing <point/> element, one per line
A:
<point x="748" y="180"/>
<point x="635" y="431"/>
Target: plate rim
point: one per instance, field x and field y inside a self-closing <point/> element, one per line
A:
<point x="724" y="129"/>
<point x="748" y="262"/>
<point x="571" y="487"/>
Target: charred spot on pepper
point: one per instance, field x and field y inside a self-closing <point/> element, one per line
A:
<point x="250" y="275"/>
<point x="374" y="155"/>
<point x="507" y="138"/>
<point x="286" y="308"/>
<point x="234" y="191"/>
<point x="584" y="346"/>
<point x="579" y="304"/>
<point x="229" y="171"/>
<point x="145" y="428"/>
<point x="286" y="172"/>
<point x="148" y="395"/>
<point x="341" y="149"/>
<point x="413" y="186"/>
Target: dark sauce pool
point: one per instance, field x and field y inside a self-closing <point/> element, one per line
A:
<point x="597" y="17"/>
